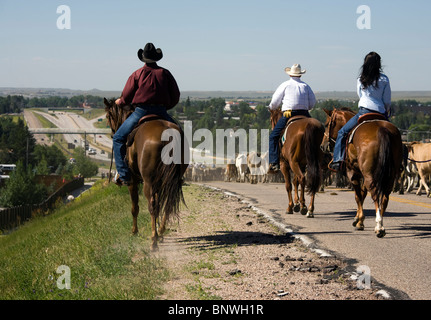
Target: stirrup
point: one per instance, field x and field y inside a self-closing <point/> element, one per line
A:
<point x="273" y="168"/>
<point x="335" y="166"/>
<point x="119" y="182"/>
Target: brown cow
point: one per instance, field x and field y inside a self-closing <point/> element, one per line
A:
<point x="231" y="172"/>
<point x="420" y="154"/>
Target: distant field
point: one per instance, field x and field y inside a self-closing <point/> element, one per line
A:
<point x="15" y="118"/>
<point x="420" y="96"/>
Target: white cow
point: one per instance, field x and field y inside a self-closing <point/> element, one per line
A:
<point x="241" y="166"/>
<point x="254" y="164"/>
<point x="264" y="166"/>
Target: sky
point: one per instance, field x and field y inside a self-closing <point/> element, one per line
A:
<point x="223" y="45"/>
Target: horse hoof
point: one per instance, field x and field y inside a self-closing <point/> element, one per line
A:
<point x="381" y="233"/>
<point x="296" y="208"/>
<point x="355" y="222"/>
<point x="310" y="214"/>
<point x="289" y="211"/>
<point x="154" y="248"/>
<point x="304" y="211"/>
<point x="359" y="227"/>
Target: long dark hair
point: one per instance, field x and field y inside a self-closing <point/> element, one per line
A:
<point x="371" y="69"/>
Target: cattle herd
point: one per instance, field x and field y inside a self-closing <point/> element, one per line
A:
<point x="253" y="167"/>
<point x="247" y="167"/>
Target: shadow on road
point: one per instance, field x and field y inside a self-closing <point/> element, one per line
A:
<point x="240" y="238"/>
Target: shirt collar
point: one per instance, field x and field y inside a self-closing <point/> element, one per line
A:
<point x="297" y="79"/>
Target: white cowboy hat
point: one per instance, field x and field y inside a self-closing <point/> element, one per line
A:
<point x="295" y="71"/>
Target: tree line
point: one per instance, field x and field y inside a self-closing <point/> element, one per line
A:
<point x="15" y="104"/>
<point x="18" y="146"/>
<point x="210" y="113"/>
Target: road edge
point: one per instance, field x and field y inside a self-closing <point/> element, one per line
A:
<point x="385" y="292"/>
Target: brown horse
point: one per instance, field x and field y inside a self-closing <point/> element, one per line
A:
<point x="162" y="179"/>
<point x="373" y="162"/>
<point x="302" y="155"/>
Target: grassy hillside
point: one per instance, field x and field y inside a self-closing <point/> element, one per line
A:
<point x="91" y="236"/>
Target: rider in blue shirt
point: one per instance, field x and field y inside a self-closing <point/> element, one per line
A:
<point x="374" y="93"/>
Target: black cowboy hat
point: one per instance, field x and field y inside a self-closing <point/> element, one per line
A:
<point x="150" y="54"/>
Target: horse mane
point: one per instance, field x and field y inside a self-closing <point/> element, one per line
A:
<point x="118" y="113"/>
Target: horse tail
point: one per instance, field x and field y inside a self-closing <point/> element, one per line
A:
<point x="385" y="172"/>
<point x="168" y="179"/>
<point x="313" y="136"/>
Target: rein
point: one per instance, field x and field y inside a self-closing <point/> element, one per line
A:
<point x="118" y="121"/>
<point x="329" y="138"/>
<point x="112" y="160"/>
<point x="418" y="161"/>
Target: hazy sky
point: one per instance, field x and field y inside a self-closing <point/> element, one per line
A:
<point x="213" y="45"/>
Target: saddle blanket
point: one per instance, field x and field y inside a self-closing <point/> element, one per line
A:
<point x="352" y="133"/>
<point x="290" y="121"/>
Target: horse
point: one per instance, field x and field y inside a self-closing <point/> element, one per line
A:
<point x="373" y="161"/>
<point x="302" y="155"/>
<point x="147" y="161"/>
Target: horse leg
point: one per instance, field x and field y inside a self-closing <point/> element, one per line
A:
<point x="360" y="194"/>
<point x="310" y="212"/>
<point x="304" y="209"/>
<point x="288" y="185"/>
<point x="379" y="229"/>
<point x="296" y="206"/>
<point x="299" y="180"/>
<point x="133" y="191"/>
<point x="154" y="215"/>
<point x="162" y="227"/>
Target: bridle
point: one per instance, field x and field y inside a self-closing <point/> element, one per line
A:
<point x="110" y="118"/>
<point x="328" y="132"/>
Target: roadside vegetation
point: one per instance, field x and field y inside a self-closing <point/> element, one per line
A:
<point x="92" y="237"/>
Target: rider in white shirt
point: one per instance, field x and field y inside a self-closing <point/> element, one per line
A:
<point x="296" y="98"/>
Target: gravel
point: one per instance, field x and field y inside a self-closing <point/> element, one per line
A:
<point x="221" y="249"/>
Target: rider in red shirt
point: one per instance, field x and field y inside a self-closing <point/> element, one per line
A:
<point x="152" y="90"/>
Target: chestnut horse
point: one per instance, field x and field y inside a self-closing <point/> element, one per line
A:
<point x="302" y="155"/>
<point x="373" y="161"/>
<point x="146" y="159"/>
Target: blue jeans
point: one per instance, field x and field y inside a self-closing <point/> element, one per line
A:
<point x="340" y="144"/>
<point x="120" y="137"/>
<point x="274" y="137"/>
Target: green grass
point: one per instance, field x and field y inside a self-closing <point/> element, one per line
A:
<point x="91" y="236"/>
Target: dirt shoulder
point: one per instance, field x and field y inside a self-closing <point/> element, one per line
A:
<point x="222" y="249"/>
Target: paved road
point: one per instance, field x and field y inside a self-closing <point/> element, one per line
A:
<point x="33" y="122"/>
<point x="400" y="260"/>
<point x="67" y="120"/>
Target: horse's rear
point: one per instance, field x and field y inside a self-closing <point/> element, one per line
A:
<point x="375" y="154"/>
<point x="302" y="154"/>
<point x="160" y="161"/>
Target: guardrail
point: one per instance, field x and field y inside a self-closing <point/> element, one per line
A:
<point x="69" y="131"/>
<point x="13" y="217"/>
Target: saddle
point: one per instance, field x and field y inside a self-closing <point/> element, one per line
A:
<point x="368" y="117"/>
<point x="289" y="122"/>
<point x="148" y="117"/>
